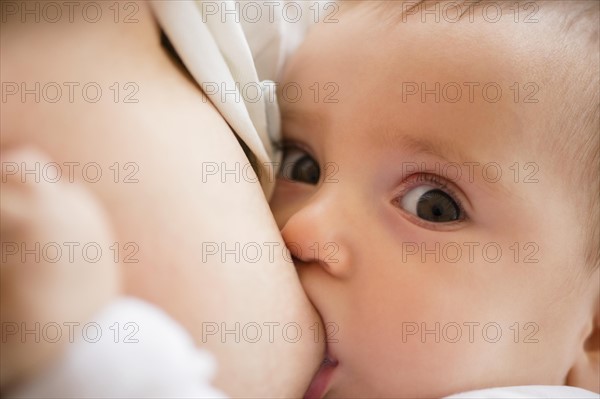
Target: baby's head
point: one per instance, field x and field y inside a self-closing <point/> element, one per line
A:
<point x="440" y="194"/>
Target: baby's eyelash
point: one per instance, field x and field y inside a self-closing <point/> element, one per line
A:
<point x="287" y="145"/>
<point x="433" y="179"/>
<point x="279" y="145"/>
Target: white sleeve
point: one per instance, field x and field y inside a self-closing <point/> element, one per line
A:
<point x="528" y="392"/>
<point x="130" y="349"/>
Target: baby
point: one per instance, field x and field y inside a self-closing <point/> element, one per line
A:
<point x="442" y="202"/>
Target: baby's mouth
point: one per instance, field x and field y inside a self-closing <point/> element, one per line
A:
<point x="329" y="361"/>
<point x="320" y="381"/>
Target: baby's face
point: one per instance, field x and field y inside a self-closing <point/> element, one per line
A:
<point x="437" y="244"/>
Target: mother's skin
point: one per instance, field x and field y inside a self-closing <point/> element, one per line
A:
<point x="169" y="133"/>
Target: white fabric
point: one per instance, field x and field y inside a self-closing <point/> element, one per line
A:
<point x="273" y="40"/>
<point x="164" y="362"/>
<point x="218" y="55"/>
<point x="231" y="57"/>
<point x="528" y="392"/>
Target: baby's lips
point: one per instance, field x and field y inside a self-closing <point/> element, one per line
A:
<point x="330" y="358"/>
<point x="321" y="380"/>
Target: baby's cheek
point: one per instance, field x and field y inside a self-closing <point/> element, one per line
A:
<point x="410" y="333"/>
<point x="287" y="199"/>
<point x="277" y="204"/>
<point x="404" y="359"/>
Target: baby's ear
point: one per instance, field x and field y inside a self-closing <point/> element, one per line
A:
<point x="585" y="373"/>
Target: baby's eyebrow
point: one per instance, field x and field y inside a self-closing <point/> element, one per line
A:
<point x="300" y="116"/>
<point x="446" y="151"/>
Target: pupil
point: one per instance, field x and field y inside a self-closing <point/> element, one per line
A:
<point x="437" y="206"/>
<point x="306" y="171"/>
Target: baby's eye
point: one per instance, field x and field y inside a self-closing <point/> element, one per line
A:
<point x="298" y="166"/>
<point x="431" y="204"/>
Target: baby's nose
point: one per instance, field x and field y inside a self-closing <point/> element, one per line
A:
<point x="317" y="235"/>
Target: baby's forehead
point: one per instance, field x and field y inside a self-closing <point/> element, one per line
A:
<point x="413" y="60"/>
<point x="532" y="30"/>
<point x="481" y="61"/>
<point x="477" y="84"/>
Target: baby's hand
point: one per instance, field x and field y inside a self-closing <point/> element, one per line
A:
<point x="40" y="286"/>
